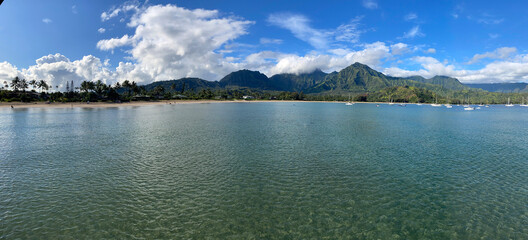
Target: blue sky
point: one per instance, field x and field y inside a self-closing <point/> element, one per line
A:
<point x="475" y="41"/>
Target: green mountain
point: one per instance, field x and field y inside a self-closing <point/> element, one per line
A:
<point x="501" y="87"/>
<point x="247" y="78"/>
<point x="445" y="82"/>
<point x="356" y="78"/>
<point x="297" y="82"/>
<point x="195" y="84"/>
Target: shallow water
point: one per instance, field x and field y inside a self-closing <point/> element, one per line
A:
<point x="264" y="170"/>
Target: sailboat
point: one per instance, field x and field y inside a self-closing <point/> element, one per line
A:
<point x="349" y="103"/>
<point x="487" y="105"/>
<point x="391" y="101"/>
<point x="468" y="107"/>
<point x="448" y="105"/>
<point x="436" y="103"/>
<point x="509" y="104"/>
<point x="524" y="105"/>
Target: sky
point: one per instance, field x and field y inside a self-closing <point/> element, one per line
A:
<point x="144" y="41"/>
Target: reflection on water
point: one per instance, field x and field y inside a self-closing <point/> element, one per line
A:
<point x="264" y="170"/>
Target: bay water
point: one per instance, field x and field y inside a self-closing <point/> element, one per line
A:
<point x="287" y="170"/>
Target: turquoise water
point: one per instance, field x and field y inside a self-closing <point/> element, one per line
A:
<point x="264" y="170"/>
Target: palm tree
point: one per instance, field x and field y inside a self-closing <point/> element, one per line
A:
<point x="85" y="86"/>
<point x="33" y="83"/>
<point x="126" y="85"/>
<point x="5" y="84"/>
<point x="100" y="87"/>
<point x="117" y="85"/>
<point x="134" y="87"/>
<point x="15" y="83"/>
<point x="24" y="85"/>
<point x="42" y="85"/>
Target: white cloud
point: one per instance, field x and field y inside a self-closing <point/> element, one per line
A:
<point x="499" y="53"/>
<point x="128" y="6"/>
<point x="299" y="25"/>
<point x="7" y="72"/>
<point x="513" y="70"/>
<point x="413" y="32"/>
<point x="410" y="16"/>
<point x="372" y="55"/>
<point x="486" y="18"/>
<point x="270" y="41"/>
<point x="109" y="44"/>
<point x="173" y="42"/>
<point x="370" y="4"/>
<point x="101" y="30"/>
<point x="399" y="48"/>
<point x="431" y="50"/>
<point x="46" y="20"/>
<point x="57" y="69"/>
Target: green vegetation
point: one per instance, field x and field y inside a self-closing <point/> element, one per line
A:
<point x="358" y="81"/>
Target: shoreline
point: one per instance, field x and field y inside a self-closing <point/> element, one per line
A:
<point x="132" y="104"/>
<point x="151" y="103"/>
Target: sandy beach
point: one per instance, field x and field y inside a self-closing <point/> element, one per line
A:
<point x="126" y="104"/>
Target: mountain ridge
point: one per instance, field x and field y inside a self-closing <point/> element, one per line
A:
<point x="355" y="78"/>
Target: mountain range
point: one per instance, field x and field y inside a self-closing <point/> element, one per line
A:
<point x="356" y="78"/>
<point x="501" y="87"/>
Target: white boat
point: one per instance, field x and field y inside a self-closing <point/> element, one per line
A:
<point x="349" y="103"/>
<point x="419" y="104"/>
<point x="524" y="105"/>
<point x="468" y="107"/>
<point x="436" y="103"/>
<point x="448" y="106"/>
<point x="509" y="104"/>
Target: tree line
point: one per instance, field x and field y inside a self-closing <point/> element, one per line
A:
<point x="17" y="90"/>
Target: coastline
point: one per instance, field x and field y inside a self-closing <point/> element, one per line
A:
<point x="150" y="103"/>
<point x="132" y="104"/>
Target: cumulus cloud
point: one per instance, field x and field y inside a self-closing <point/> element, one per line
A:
<point x="101" y="30"/>
<point x="174" y="42"/>
<point x="7" y="72"/>
<point x="57" y="69"/>
<point x="499" y="53"/>
<point x="513" y="70"/>
<point x="109" y="44"/>
<point x="399" y="48"/>
<point x="299" y="25"/>
<point x="370" y="4"/>
<point x="431" y="50"/>
<point x="372" y="55"/>
<point x="413" y="32"/>
<point x="46" y="20"/>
